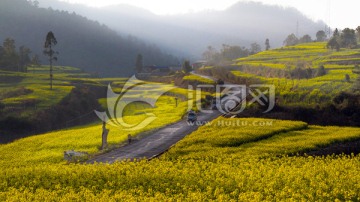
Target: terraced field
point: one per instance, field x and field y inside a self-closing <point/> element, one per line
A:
<point x="273" y="67"/>
<point x="253" y="137"/>
<point x="227" y="160"/>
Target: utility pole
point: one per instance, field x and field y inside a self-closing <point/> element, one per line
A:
<point x="329" y="17"/>
<point x="297" y="29"/>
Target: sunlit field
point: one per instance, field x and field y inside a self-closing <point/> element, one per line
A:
<point x="49" y="147"/>
<point x="172" y="101"/>
<point x="206" y="165"/>
<point x="229" y="159"/>
<point x="198" y="79"/>
<point x="34" y="86"/>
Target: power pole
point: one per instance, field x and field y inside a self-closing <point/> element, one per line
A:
<point x="329" y="17"/>
<point x="297" y="29"/>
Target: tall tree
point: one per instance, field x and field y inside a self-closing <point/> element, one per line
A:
<point x="333" y="43"/>
<point x="305" y="39"/>
<point x="24" y="58"/>
<point x="255" y="48"/>
<point x="348" y="38"/>
<point x="291" y="40"/>
<point x="9" y="46"/>
<point x="187" y="67"/>
<point x="35" y="61"/>
<point x="229" y="52"/>
<point x="336" y="33"/>
<point x="139" y="64"/>
<point x="209" y="54"/>
<point x="267" y="44"/>
<point x="10" y="56"/>
<point x="358" y="33"/>
<point x="320" y="36"/>
<point x="50" y="41"/>
<point x="2" y="52"/>
<point x="356" y="87"/>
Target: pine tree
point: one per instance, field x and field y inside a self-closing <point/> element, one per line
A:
<point x="49" y="43"/>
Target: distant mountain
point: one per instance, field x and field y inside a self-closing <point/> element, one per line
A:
<point x="190" y="34"/>
<point x="81" y="42"/>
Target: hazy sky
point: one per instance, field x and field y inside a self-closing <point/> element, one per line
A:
<point x="337" y="13"/>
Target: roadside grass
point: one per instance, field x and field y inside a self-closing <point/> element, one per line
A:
<point x="48" y="148"/>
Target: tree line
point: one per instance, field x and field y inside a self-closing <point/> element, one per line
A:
<point x="346" y="38"/>
<point x="231" y="52"/>
<point x="292" y="39"/>
<point x="13" y="59"/>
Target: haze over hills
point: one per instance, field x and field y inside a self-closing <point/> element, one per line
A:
<point x="189" y="34"/>
<point x="98" y="48"/>
<point x="81" y="42"/>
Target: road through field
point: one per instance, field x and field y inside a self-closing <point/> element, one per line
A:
<point x="156" y="143"/>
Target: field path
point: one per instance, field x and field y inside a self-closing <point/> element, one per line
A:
<point x="156" y="143"/>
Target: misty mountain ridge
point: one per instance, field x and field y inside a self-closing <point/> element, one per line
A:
<point x="81" y="42"/>
<point x="189" y="34"/>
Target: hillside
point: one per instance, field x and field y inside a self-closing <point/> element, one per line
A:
<point x="28" y="106"/>
<point x="190" y="34"/>
<point x="311" y="82"/>
<point x="82" y="43"/>
<point x="227" y="159"/>
<point x="279" y="67"/>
